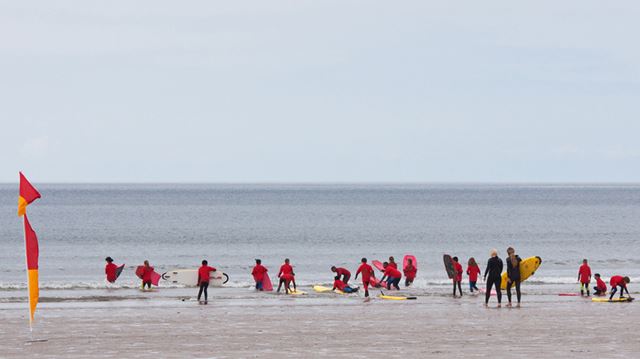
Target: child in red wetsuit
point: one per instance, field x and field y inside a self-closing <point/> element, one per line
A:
<point x="584" y="277"/>
<point x="147" y="272"/>
<point x="110" y="270"/>
<point x="204" y="276"/>
<point x="286" y="276"/>
<point x="392" y="262"/>
<point x="619" y="281"/>
<point x="258" y="273"/>
<point x="473" y="271"/>
<point x="409" y="273"/>
<point x="342" y="286"/>
<point x="392" y="275"/>
<point x="342" y="272"/>
<point x="457" y="280"/>
<point x="601" y="286"/>
<point x="367" y="275"/>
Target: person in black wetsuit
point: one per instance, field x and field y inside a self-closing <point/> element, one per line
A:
<point x="493" y="277"/>
<point x="513" y="274"/>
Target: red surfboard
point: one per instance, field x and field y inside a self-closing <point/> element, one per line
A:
<point x="266" y="283"/>
<point x="378" y="265"/>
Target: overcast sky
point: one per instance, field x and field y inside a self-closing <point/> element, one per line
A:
<point x="315" y="91"/>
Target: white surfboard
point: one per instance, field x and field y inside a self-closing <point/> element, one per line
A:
<point x="189" y="277"/>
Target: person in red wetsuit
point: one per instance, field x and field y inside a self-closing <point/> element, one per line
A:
<point x="367" y="275"/>
<point x="204" y="276"/>
<point x="146" y="275"/>
<point x="342" y="272"/>
<point x="457" y="279"/>
<point x="619" y="281"/>
<point x="584" y="277"/>
<point x="392" y="275"/>
<point x="286" y="276"/>
<point x="473" y="271"/>
<point x="601" y="286"/>
<point x="409" y="273"/>
<point x="342" y="286"/>
<point x="258" y="273"/>
<point x="110" y="270"/>
<point x="392" y="262"/>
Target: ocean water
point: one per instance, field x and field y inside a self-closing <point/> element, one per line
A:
<point x="316" y="226"/>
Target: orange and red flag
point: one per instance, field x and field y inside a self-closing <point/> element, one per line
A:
<point x="31" y="247"/>
<point x="27" y="194"/>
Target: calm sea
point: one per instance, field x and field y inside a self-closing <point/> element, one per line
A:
<point x="316" y="226"/>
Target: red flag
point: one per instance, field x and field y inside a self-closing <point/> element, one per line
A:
<point x="28" y="194"/>
<point x="32" y="252"/>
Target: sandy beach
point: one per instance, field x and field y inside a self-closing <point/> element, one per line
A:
<point x="272" y="325"/>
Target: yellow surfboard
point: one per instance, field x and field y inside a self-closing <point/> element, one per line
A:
<point x="528" y="267"/>
<point x="613" y="300"/>
<point x="322" y="289"/>
<point x="297" y="292"/>
<point x="395" y="297"/>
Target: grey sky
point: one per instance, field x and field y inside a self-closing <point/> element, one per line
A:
<point x="298" y="91"/>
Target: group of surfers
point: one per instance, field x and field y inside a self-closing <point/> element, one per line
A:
<point x="391" y="277"/>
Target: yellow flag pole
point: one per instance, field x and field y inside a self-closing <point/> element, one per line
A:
<point x="26" y="263"/>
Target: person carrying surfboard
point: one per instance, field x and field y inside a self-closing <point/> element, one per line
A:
<point x="204" y="276"/>
<point x="513" y="274"/>
<point x="147" y="272"/>
<point x="110" y="270"/>
<point x="258" y="273"/>
<point x="367" y="275"/>
<point x="410" y="271"/>
<point x="342" y="272"/>
<point x="392" y="275"/>
<point x="493" y="277"/>
<point x="473" y="271"/>
<point x="584" y="277"/>
<point x="619" y="281"/>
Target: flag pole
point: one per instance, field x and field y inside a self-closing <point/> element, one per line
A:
<point x="26" y="262"/>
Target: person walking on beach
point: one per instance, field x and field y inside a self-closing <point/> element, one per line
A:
<point x="513" y="274"/>
<point x="286" y="276"/>
<point x="258" y="273"/>
<point x="204" y="275"/>
<point x="584" y="277"/>
<point x="342" y="272"/>
<point x="409" y="273"/>
<point x="392" y="275"/>
<point x="457" y="280"/>
<point x="493" y="277"/>
<point x="110" y="270"/>
<point x="473" y="271"/>
<point x="367" y="275"/>
<point x="619" y="281"/>
<point x="147" y="272"/>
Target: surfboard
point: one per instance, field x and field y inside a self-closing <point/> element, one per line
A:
<point x="528" y="268"/>
<point x="568" y="294"/>
<point x="448" y="266"/>
<point x="378" y="265"/>
<point x="266" y="283"/>
<point x="405" y="261"/>
<point x="396" y="297"/>
<point x="614" y="300"/>
<point x="155" y="277"/>
<point x="374" y="282"/>
<point x="119" y="270"/>
<point x="297" y="292"/>
<point x="189" y="277"/>
<point x="322" y="289"/>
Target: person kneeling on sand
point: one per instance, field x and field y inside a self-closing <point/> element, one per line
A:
<point x="601" y="286"/>
<point x="619" y="281"/>
<point x="342" y="286"/>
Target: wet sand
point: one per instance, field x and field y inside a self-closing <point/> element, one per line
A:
<point x="318" y="326"/>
